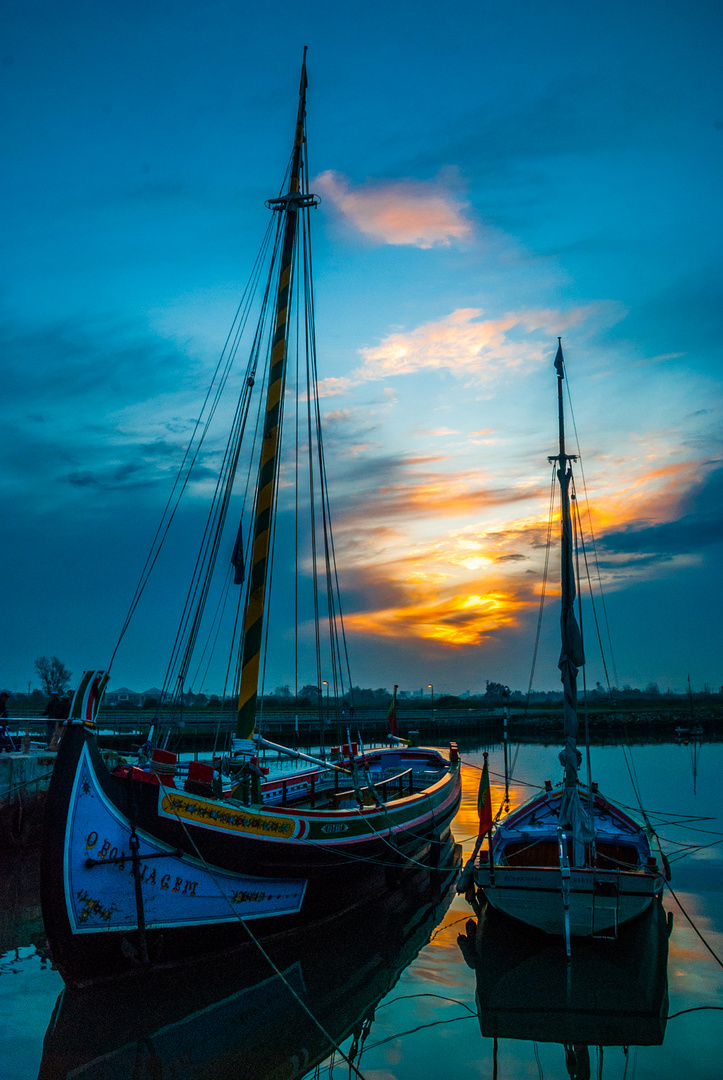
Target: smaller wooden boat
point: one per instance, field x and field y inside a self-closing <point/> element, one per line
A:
<point x="569" y="861"/>
<point x="533" y="876"/>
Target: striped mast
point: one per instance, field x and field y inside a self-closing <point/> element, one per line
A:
<point x="289" y="205"/>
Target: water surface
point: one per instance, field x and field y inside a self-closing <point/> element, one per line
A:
<point x="396" y="983"/>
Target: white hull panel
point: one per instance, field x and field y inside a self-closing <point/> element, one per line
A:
<point x="598" y="902"/>
<point x="176" y="890"/>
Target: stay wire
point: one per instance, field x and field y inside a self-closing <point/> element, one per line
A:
<point x="592" y="532"/>
<point x="185" y="468"/>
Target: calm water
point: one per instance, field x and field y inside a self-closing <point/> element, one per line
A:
<point x="397" y="984"/>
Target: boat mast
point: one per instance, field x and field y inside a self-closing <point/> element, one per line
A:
<point x="288" y="205"/>
<point x="571" y="652"/>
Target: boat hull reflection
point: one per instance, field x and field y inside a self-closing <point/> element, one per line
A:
<point x="611" y="993"/>
<point x="233" y="1016"/>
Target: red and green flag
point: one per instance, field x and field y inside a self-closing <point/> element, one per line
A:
<point x="484" y="800"/>
<point x="392" y="714"/>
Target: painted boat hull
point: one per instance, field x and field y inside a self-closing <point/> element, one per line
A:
<point x="235" y="1018"/>
<point x="205" y="867"/>
<point x="618" y="882"/>
<point x="599" y="902"/>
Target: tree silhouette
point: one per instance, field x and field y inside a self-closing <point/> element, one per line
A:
<point x="53" y="674"/>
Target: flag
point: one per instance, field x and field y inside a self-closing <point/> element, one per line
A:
<point x="484" y="800"/>
<point x="237" y="559"/>
<point x="392" y="714"/>
<point x="559" y="362"/>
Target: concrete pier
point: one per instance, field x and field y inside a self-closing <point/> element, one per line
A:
<point x="24" y="781"/>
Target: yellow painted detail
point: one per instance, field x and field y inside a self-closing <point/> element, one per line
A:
<point x="270" y="443"/>
<point x="261" y="547"/>
<point x="274" y="395"/>
<point x="256" y="607"/>
<point x="229" y="818"/>
<point x="265" y="497"/>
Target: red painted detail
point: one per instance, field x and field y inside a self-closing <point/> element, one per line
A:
<point x="164" y="757"/>
<point x="132" y="772"/>
<point x="200" y="771"/>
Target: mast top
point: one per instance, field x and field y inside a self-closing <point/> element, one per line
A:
<point x="295" y="197"/>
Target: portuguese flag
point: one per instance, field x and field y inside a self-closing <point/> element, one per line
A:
<point x="484" y="800"/>
<point x="392" y="714"/>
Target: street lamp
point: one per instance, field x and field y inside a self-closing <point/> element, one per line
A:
<point x="431" y="687"/>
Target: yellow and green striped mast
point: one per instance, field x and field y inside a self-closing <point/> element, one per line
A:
<point x="289" y="205"/>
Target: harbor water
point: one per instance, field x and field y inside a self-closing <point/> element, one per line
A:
<point x="413" y="983"/>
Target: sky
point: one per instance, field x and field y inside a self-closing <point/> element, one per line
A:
<point x="491" y="176"/>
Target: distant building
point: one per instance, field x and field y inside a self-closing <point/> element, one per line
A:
<point x="124" y="697"/>
<point x="129" y="699"/>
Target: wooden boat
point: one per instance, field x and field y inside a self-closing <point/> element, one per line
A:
<point x="140" y="868"/>
<point x="236" y="1017"/>
<point x="569" y="861"/>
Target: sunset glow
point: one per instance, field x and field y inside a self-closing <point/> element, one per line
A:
<point x="477" y="200"/>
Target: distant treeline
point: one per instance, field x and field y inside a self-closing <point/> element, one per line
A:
<point x="494" y="697"/>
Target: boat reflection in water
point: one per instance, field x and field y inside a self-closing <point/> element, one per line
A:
<point x="232" y="1016"/>
<point x="611" y="992"/>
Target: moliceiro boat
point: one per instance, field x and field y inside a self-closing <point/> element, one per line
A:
<point x="146" y="865"/>
<point x="569" y="861"/>
<point x="230" y="1019"/>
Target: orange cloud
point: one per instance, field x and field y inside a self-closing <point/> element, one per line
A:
<point x="454" y="619"/>
<point x="423" y="214"/>
<point x="466" y="344"/>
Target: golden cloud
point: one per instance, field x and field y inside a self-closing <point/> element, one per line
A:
<point x="466" y="344"/>
<point x="423" y="214"/>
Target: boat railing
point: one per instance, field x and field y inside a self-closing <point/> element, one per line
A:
<point x="382" y="787"/>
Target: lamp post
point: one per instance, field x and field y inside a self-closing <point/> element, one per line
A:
<point x="431" y="687"/>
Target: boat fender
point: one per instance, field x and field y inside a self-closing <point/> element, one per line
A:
<point x="453" y="752"/>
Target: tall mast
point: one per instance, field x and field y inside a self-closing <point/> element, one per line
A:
<point x="288" y="205"/>
<point x="571" y="652"/>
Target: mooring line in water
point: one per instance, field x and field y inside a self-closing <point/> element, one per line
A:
<point x="260" y="947"/>
<point x="422" y="1027"/>
<point x="708" y="947"/>
<point x="441" y="997"/>
<point x="524" y="783"/>
<point x="695" y="1008"/>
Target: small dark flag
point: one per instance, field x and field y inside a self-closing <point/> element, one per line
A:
<point x="559" y="362"/>
<point x="484" y="800"/>
<point x="237" y="559"/>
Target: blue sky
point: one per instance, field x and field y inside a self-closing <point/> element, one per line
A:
<point x="491" y="176"/>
